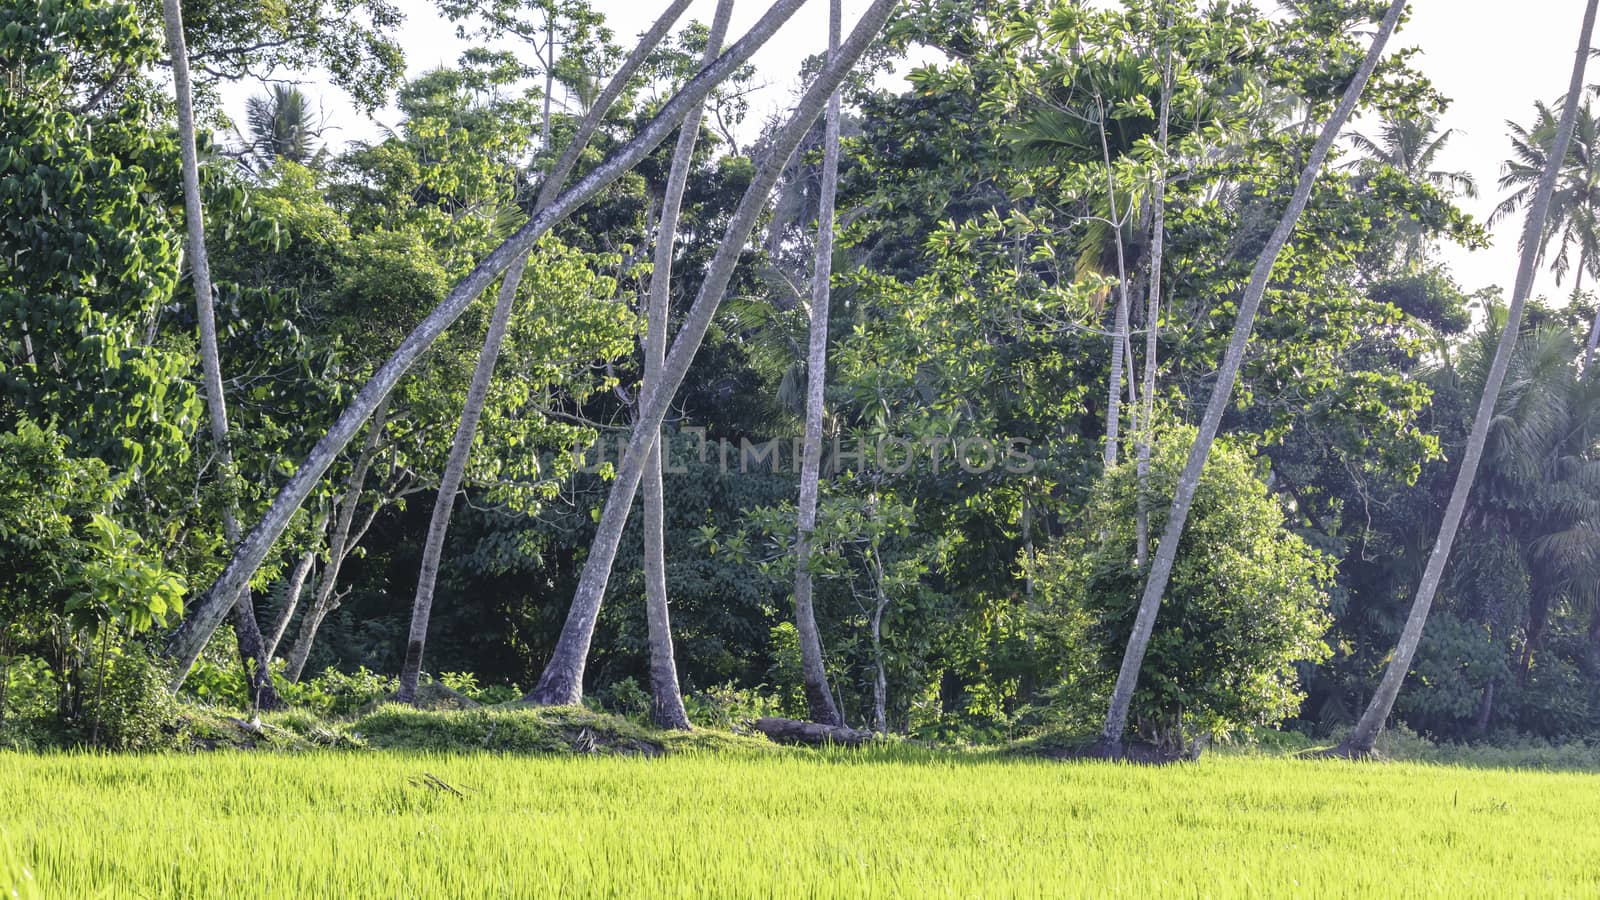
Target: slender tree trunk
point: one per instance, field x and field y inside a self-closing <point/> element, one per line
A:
<point x="1133" y="385"/>
<point x="294" y="663"/>
<point x="455" y="470"/>
<point x="252" y="653"/>
<point x="1119" y="328"/>
<point x="5" y="674"/>
<point x="1537" y="625"/>
<point x="1167" y="551"/>
<point x="562" y="681"/>
<point x="100" y="689"/>
<point x="880" y="677"/>
<point x="340" y="543"/>
<point x="1594" y="327"/>
<point x="1152" y="325"/>
<point x="1029" y="685"/>
<point x="310" y="623"/>
<point x="327" y="599"/>
<point x="1594" y="343"/>
<point x="185" y="644"/>
<point x="666" y="698"/>
<point x="549" y="80"/>
<point x="1594" y="639"/>
<point x="1480" y="725"/>
<point x="880" y="668"/>
<point x="1362" y="739"/>
<point x="814" y="671"/>
<point x="295" y="586"/>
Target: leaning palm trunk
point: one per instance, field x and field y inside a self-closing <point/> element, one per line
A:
<point x="455" y="469"/>
<point x="819" y="698"/>
<point x="185" y="644"/>
<point x="1167" y="551"/>
<point x="252" y="652"/>
<point x="562" y="680"/>
<point x="1152" y="323"/>
<point x="1361" y="740"/>
<point x="666" y="698"/>
<point x="1119" y="328"/>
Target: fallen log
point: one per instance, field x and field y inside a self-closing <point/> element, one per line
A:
<point x="794" y="731"/>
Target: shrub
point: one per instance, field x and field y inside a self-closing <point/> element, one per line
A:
<point x="217" y="677"/>
<point x="75" y="585"/>
<point x="728" y="707"/>
<point x="466" y="684"/>
<point x="126" y="704"/>
<point x="29" y="690"/>
<point x="333" y="693"/>
<point x="623" y="698"/>
<point x="1245" y="602"/>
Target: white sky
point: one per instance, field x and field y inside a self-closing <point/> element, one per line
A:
<point x="1492" y="58"/>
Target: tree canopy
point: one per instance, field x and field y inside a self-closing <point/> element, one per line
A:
<point x="974" y="558"/>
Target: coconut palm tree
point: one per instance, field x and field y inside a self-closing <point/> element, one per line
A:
<point x="819" y="699"/>
<point x="562" y="680"/>
<point x="1161" y="565"/>
<point x="1411" y="146"/>
<point x="1536" y="505"/>
<point x="583" y="87"/>
<point x="1539" y="202"/>
<point x="1541" y="473"/>
<point x="478" y="391"/>
<point x="1574" y="223"/>
<point x="666" y="698"/>
<point x="252" y="651"/>
<point x="205" y="615"/>
<point x="280" y="124"/>
<point x="1575" y="206"/>
<point x="1077" y="124"/>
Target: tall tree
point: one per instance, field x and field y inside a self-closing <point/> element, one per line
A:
<point x="562" y="681"/>
<point x="819" y="698"/>
<point x="1365" y="735"/>
<point x="666" y="699"/>
<point x="252" y="650"/>
<point x="1152" y="316"/>
<point x="1119" y="320"/>
<point x="1411" y="146"/>
<point x="455" y="470"/>
<point x="1221" y="396"/>
<point x="185" y="644"/>
<point x="1574" y="219"/>
<point x="280" y="125"/>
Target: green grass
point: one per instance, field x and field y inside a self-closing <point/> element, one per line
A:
<point x="790" y="824"/>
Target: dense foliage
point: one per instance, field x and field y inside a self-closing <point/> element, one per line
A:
<point x="977" y="564"/>
<point x="1246" y="602"/>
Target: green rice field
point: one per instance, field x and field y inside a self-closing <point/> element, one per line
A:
<point x="789" y="825"/>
